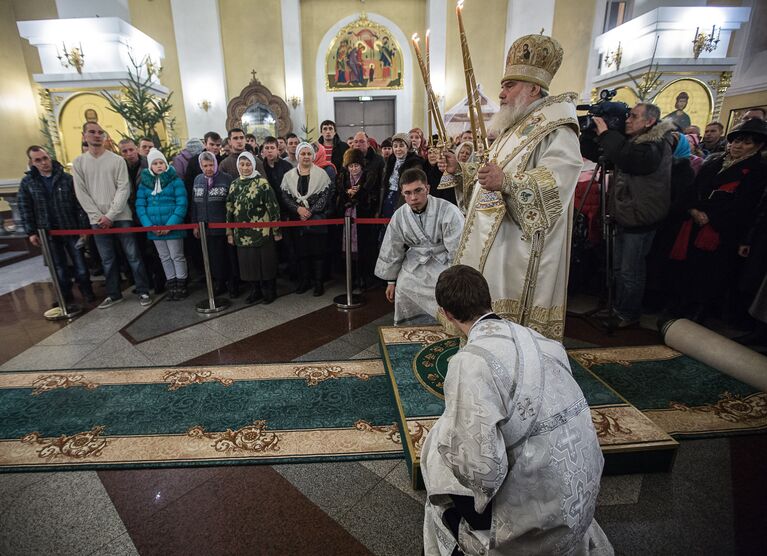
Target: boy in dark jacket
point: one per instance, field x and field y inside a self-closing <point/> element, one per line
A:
<point x="47" y="201"/>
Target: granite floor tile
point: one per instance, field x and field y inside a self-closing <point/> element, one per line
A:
<point x="174" y="348"/>
<point x="244" y="510"/>
<point x="105" y="358"/>
<point x="140" y="493"/>
<point x="12" y="486"/>
<point x="380" y="467"/>
<point x="48" y="357"/>
<point x="334" y="487"/>
<point x="399" y="477"/>
<point x="387" y="521"/>
<point x="619" y="489"/>
<point x="121" y="546"/>
<point x="23" y="273"/>
<point x="64" y="513"/>
<point x="332" y="351"/>
<point x="367" y="354"/>
<point x="246" y="322"/>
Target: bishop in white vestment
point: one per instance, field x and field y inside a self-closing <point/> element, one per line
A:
<point x="518" y="206"/>
<point x="419" y="244"/>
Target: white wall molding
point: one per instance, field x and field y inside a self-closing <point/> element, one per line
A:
<point x="436" y="22"/>
<point x="196" y="26"/>
<point x="291" y="50"/>
<point x="404" y="97"/>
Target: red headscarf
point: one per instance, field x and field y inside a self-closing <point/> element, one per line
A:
<point x="320" y="158"/>
<point x="423" y="150"/>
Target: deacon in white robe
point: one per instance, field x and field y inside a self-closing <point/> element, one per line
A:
<point x="513" y="465"/>
<point x="419" y="244"/>
<point x="518" y="204"/>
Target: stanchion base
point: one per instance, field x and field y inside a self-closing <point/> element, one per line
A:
<point x="57" y="314"/>
<point x="219" y="304"/>
<point x="342" y="302"/>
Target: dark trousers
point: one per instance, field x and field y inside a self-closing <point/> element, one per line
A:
<point x="223" y="261"/>
<point x="61" y="246"/>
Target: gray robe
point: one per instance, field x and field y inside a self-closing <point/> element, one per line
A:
<point x="516" y="430"/>
<point x="415" y="250"/>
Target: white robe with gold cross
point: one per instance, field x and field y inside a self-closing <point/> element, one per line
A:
<point x="519" y="238"/>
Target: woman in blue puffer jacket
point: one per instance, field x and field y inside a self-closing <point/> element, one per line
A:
<point x="161" y="201"/>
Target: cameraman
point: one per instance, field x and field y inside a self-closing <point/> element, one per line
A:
<point x="638" y="198"/>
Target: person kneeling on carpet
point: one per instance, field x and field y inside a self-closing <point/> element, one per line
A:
<point x="513" y="465"/>
<point x="251" y="199"/>
<point x="420" y="242"/>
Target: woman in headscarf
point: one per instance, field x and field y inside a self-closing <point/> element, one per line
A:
<point x="251" y="199"/>
<point x="403" y="158"/>
<point x="358" y="201"/>
<point x="161" y="201"/>
<point x="418" y="142"/>
<point x="321" y="160"/>
<point x="465" y="152"/>
<point x="726" y="194"/>
<point x="209" y="194"/>
<point x="307" y="194"/>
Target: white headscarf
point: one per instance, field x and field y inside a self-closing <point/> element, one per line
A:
<point x="249" y="156"/>
<point x="155" y="154"/>
<point x="304" y="145"/>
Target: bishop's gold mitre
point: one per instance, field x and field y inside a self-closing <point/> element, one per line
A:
<point x="533" y="58"/>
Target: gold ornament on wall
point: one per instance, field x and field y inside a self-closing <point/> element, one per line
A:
<point x="705" y="41"/>
<point x="74" y="58"/>
<point x="613" y="57"/>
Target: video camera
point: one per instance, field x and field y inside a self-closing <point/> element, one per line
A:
<point x="613" y="113"/>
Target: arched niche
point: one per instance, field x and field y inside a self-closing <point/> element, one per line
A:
<point x="698" y="107"/>
<point x="258" y="111"/>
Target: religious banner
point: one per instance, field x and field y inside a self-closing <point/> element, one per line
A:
<point x="363" y="55"/>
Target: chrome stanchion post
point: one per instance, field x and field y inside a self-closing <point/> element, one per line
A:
<point x="212" y="304"/>
<point x="348" y="300"/>
<point x="64" y="310"/>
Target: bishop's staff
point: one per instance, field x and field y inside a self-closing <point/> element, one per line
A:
<point x="431" y="98"/>
<point x="478" y="131"/>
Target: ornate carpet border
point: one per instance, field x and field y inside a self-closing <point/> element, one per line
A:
<point x="254" y="444"/>
<point x="179" y="377"/>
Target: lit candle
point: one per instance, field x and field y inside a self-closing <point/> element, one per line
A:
<point x="458" y="8"/>
<point x="426" y="47"/>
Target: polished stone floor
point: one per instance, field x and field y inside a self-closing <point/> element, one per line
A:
<point x="713" y="502"/>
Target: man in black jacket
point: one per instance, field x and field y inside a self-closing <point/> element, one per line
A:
<point x="374" y="164"/>
<point x="334" y="147"/>
<point x="639" y="199"/>
<point x="47" y="201"/>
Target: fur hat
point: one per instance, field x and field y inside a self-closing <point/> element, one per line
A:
<point x="402" y="137"/>
<point x="353" y="156"/>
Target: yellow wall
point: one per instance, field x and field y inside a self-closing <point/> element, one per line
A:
<point x="485" y="25"/>
<point x="734" y="102"/>
<point x="156" y="20"/>
<point x="252" y="39"/>
<point x="572" y="22"/>
<point x="18" y="98"/>
<point x="318" y="16"/>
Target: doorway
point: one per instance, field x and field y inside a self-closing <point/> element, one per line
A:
<point x="375" y="116"/>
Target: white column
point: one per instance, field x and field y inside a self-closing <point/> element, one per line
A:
<point x="591" y="68"/>
<point x="436" y="22"/>
<point x="68" y="9"/>
<point x="527" y="17"/>
<point x="201" y="64"/>
<point x="291" y="50"/>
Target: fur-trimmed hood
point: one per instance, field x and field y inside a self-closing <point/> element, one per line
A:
<point x="656" y="133"/>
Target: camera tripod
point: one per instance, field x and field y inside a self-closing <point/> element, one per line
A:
<point x="608" y="234"/>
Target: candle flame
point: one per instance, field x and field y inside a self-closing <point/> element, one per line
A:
<point x="427" y="32"/>
<point x="459" y="4"/>
<point x="415" y="38"/>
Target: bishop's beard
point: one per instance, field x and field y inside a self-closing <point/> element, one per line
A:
<point x="507" y="116"/>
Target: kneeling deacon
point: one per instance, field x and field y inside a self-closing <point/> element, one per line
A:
<point x="513" y="465"/>
<point x="419" y="244"/>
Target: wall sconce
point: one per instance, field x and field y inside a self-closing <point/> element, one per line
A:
<point x="294" y="101"/>
<point x="614" y="57"/>
<point x="703" y="41"/>
<point x="205" y="105"/>
<point x="72" y="58"/>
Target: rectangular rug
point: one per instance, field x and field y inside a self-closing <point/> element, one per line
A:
<point x="416" y="360"/>
<point x="240" y="414"/>
<point x="684" y="397"/>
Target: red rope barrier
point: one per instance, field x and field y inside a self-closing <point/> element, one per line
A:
<point x="117" y="230"/>
<point x="278" y="224"/>
<point x="372" y="220"/>
<point x="217" y="226"/>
